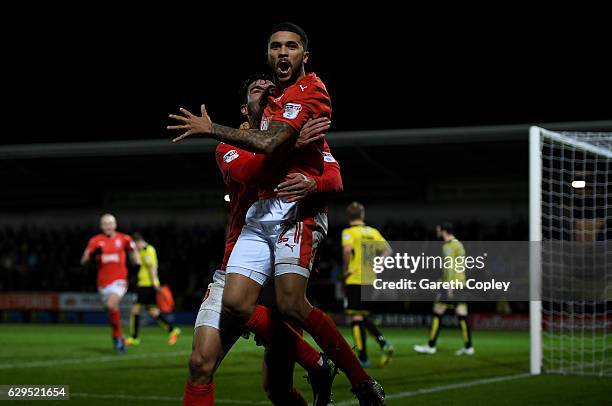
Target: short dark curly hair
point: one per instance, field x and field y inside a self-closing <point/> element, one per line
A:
<point x="290" y="27"/>
<point x="244" y="89"/>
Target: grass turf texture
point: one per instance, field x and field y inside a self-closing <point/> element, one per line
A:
<point x="153" y="373"/>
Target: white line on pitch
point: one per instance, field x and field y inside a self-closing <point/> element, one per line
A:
<point x="111" y="358"/>
<point x="399" y="395"/>
<point x="435" y="389"/>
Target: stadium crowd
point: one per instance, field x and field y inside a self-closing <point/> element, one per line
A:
<point x="35" y="258"/>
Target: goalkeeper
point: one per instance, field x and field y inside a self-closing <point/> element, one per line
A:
<point x="453" y="248"/>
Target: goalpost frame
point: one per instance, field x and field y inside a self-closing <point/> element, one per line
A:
<point x="535" y="263"/>
<point x="536" y="136"/>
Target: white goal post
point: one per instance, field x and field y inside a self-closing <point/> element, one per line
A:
<point x="569" y="189"/>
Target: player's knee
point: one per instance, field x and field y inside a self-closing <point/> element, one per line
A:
<point x="154" y="312"/>
<point x="112" y="303"/>
<point x="237" y="309"/>
<point x="294" y="308"/>
<point x="234" y="307"/>
<point x="201" y="368"/>
<point x="461" y="310"/>
<point x="357" y="318"/>
<point x="439" y="309"/>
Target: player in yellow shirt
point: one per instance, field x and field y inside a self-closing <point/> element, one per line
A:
<point x="148" y="286"/>
<point x="451" y="247"/>
<point x="354" y="276"/>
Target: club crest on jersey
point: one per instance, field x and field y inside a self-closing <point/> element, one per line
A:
<point x="230" y="156"/>
<point x="292" y="110"/>
<point x="118" y="243"/>
<point x="327" y="157"/>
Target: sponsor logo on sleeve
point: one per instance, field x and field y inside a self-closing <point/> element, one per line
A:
<point x="292" y="110"/>
<point x="327" y="157"/>
<point x="230" y="156"/>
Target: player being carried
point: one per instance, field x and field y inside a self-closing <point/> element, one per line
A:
<point x="108" y="249"/>
<point x="284" y="345"/>
<point x="281" y="237"/>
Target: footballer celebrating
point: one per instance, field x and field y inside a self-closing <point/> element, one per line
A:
<point x="284" y="345"/>
<point x="281" y="237"/>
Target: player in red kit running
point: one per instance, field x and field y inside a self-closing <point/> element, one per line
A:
<point x="281" y="237"/>
<point x="108" y="249"/>
<point x="283" y="345"/>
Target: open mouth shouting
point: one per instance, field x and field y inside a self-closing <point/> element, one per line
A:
<point x="283" y="68"/>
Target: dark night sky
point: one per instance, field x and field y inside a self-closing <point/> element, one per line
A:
<point x="106" y="74"/>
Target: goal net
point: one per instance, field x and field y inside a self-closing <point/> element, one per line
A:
<point x="571" y="275"/>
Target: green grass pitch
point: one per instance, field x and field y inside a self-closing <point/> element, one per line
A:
<point x="153" y="373"/>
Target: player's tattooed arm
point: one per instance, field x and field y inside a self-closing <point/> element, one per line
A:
<point x="266" y="141"/>
<point x="258" y="141"/>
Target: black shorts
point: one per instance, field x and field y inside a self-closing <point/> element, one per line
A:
<point x="146" y="295"/>
<point x="352" y="300"/>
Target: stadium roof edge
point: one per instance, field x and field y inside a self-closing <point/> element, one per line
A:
<point x="337" y="140"/>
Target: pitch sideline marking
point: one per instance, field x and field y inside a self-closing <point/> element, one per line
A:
<point x="460" y="385"/>
<point x="399" y="395"/>
<point x="110" y="358"/>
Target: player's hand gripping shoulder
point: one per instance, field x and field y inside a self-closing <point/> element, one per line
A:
<point x="296" y="187"/>
<point x="313" y="130"/>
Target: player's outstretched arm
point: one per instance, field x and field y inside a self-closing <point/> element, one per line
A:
<point x="251" y="140"/>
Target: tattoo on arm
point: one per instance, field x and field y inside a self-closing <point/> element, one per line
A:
<point x="255" y="140"/>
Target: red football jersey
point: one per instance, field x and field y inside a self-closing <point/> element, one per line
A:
<point x="242" y="170"/>
<point x="304" y="100"/>
<point x="111" y="259"/>
<point x="239" y="169"/>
